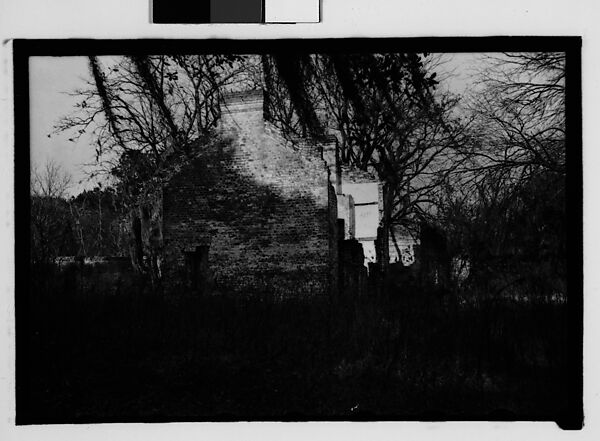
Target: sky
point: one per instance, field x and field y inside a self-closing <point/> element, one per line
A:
<point x="53" y="78"/>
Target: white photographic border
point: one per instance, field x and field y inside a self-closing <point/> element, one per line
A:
<point x="340" y="18"/>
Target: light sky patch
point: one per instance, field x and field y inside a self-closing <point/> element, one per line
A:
<point x="50" y="80"/>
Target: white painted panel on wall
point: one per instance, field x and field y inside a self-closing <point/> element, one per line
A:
<point x="292" y="11"/>
<point x="366" y="222"/>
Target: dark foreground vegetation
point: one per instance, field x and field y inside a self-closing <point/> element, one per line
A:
<point x="96" y="352"/>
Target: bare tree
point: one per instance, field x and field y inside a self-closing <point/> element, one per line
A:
<point x="139" y="109"/>
<point x="142" y="110"/>
<point x="519" y="110"/>
<point x="505" y="203"/>
<point x="385" y="115"/>
<point x="49" y="181"/>
<point x="98" y="216"/>
<point x="50" y="221"/>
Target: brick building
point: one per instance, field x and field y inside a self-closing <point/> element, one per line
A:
<point x="253" y="212"/>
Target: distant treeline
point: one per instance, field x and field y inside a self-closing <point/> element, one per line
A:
<point x="89" y="224"/>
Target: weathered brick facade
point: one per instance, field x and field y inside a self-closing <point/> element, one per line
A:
<point x="253" y="213"/>
<point x="263" y="213"/>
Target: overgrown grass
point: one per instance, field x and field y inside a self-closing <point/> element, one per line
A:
<point x="95" y="352"/>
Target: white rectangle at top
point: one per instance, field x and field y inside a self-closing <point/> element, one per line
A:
<point x="292" y="11"/>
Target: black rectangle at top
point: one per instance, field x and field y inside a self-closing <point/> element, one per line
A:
<point x="207" y="11"/>
<point x="181" y="11"/>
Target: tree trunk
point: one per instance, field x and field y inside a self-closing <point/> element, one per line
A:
<point x="383" y="232"/>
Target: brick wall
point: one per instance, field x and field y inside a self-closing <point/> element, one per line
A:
<point x="334" y="235"/>
<point x="264" y="209"/>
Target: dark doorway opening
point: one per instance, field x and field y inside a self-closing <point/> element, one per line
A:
<point x="197" y="267"/>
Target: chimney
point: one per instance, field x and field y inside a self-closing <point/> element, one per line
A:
<point x="242" y="111"/>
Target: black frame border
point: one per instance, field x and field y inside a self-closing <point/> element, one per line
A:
<point x="571" y="45"/>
